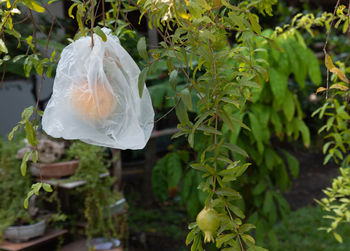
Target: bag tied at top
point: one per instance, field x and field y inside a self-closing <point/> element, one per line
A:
<point x="95" y="96"/>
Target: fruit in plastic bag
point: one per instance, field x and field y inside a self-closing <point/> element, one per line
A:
<point x="94" y="105"/>
<point x="95" y="96"/>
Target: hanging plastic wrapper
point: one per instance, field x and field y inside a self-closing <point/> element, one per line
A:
<point x="95" y="96"/>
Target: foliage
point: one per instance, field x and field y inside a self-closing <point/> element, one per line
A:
<point x="200" y="40"/>
<point x="273" y="114"/>
<point x="336" y="202"/>
<point x="299" y="231"/>
<point x="202" y="37"/>
<point x="335" y="109"/>
<point x="13" y="187"/>
<point x="98" y="194"/>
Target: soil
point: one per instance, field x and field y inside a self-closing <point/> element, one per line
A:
<point x="313" y="177"/>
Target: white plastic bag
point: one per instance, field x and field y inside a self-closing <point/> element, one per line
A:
<point x="95" y="96"/>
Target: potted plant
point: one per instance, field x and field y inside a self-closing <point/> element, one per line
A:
<point x="50" y="164"/>
<point x="17" y="224"/>
<point x="100" y="201"/>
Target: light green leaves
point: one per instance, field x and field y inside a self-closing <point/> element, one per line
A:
<point x="3" y="47"/>
<point x="32" y="4"/>
<point x="99" y="32"/>
<point x="24" y="163"/>
<point x="254" y="21"/>
<point x="35" y="189"/>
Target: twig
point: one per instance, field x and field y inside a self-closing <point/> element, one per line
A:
<point x="325" y="46"/>
<point x="238" y="235"/>
<point x="7" y="16"/>
<point x="103" y="13"/>
<point x="168" y="112"/>
<point x="3" y="75"/>
<point x="92" y="23"/>
<point x="182" y="69"/>
<point x="52" y="15"/>
<point x="348" y="14"/>
<point x="42" y="74"/>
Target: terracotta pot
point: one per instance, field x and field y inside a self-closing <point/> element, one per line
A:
<point x="54" y="170"/>
<point x="24" y="233"/>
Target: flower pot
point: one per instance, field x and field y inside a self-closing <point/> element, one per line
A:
<point x="24" y="233"/>
<point x="54" y="170"/>
<point x="118" y="206"/>
<point x="104" y="244"/>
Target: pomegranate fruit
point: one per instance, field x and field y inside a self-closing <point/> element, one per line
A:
<point x="207" y="221"/>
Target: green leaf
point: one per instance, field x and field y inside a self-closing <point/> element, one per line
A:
<point x="11" y="134"/>
<point x="254" y="21"/>
<point x="256" y="248"/>
<point x="221" y="239"/>
<point x="159" y="179"/>
<point x="246" y="227"/>
<point x="337" y="237"/>
<point x="304" y="132"/>
<point x="229" y="192"/>
<point x="186" y="97"/>
<point x="174" y="169"/>
<point x="191" y="236"/>
<point x="236" y="210"/>
<point x="235" y="149"/>
<point x="187" y="185"/>
<point x="30" y="134"/>
<point x="31" y="4"/>
<point x="259" y="188"/>
<point x="24" y="163"/>
<point x="288" y="106"/>
<point x="278" y="84"/>
<point x="35" y="156"/>
<point x="70" y="10"/>
<point x="172" y="79"/>
<point x="257" y="130"/>
<point x="142" y="48"/>
<point x="181" y="113"/>
<point x="230" y="121"/>
<point x="99" y="32"/>
<point x="3" y="47"/>
<point x="314" y="68"/>
<point x="47" y="187"/>
<point x="141" y="80"/>
<point x="293" y="164"/>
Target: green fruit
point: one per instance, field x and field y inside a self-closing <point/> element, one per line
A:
<point x="208" y="222"/>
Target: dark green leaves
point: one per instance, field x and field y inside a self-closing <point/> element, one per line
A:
<point x="278" y="83"/>
<point x="293" y="164"/>
<point x="288" y="105"/>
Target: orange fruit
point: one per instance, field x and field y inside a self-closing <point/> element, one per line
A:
<point x="93" y="104"/>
